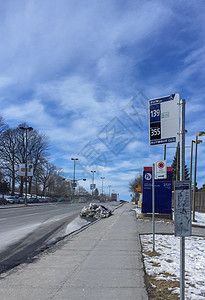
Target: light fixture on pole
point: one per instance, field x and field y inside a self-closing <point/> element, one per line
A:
<point x="200" y="133"/>
<point x="26" y="129"/>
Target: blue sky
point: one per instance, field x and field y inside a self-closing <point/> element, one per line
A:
<point x="73" y="70"/>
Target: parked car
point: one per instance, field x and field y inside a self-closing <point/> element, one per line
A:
<point x="21" y="200"/>
<point x="12" y="199"/>
<point x="3" y="201"/>
<point x="42" y="199"/>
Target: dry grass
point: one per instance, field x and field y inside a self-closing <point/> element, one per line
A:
<point x="160" y="289"/>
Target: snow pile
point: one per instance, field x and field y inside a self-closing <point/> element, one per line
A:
<point x="166" y="265"/>
<point x="200" y="219"/>
<point x="95" y="211"/>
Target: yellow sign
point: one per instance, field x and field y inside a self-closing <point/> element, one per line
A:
<point x="138" y="188"/>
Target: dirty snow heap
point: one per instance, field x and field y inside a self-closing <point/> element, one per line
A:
<point x="95" y="211"/>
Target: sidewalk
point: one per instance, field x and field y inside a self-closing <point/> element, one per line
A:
<point x="101" y="262"/>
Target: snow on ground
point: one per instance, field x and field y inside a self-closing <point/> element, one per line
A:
<point x="166" y="266"/>
<point x="200" y="218"/>
<point x="76" y="224"/>
<point x="168" y="262"/>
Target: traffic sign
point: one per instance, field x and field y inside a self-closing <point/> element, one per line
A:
<point x="161" y="169"/>
<point x="92" y="186"/>
<point x="138" y="188"/>
<point x="164" y="119"/>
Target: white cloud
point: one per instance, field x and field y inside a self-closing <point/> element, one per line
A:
<point x="69" y="68"/>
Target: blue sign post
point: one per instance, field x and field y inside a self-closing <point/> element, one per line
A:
<point x="163" y="192"/>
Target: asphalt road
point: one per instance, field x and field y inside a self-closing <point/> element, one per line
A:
<point x="25" y="229"/>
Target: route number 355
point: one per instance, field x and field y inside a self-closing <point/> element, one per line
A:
<point x="155" y="131"/>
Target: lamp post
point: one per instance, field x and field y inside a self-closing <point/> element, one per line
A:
<point x="102" y="185"/>
<point x="93" y="172"/>
<point x="192" y="142"/>
<point x="74" y="159"/>
<point x="26" y="129"/>
<point x="109" y="186"/>
<point x="74" y="183"/>
<point x="200" y="133"/>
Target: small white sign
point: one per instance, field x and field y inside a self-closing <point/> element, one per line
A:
<point x="161" y="169"/>
<point x="30" y="170"/>
<point x="22" y="170"/>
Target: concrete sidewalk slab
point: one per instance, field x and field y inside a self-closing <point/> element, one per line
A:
<point x="102" y="262"/>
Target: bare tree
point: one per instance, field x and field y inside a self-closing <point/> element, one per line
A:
<point x="133" y="184"/>
<point x="9" y="155"/>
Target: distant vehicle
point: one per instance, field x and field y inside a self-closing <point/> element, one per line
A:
<point x="114" y="197"/>
<point x="12" y="199"/>
<point x="21" y="200"/>
<point x="96" y="200"/>
<point x="82" y="200"/>
<point x="3" y="201"/>
<point x="42" y="199"/>
<point x="49" y="200"/>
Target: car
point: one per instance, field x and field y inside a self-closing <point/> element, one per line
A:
<point x="82" y="200"/>
<point x="21" y="200"/>
<point x="12" y="199"/>
<point x="3" y="201"/>
<point x="42" y="199"/>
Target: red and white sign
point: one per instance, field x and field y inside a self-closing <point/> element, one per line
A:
<point x="161" y="169"/>
<point x="22" y="170"/>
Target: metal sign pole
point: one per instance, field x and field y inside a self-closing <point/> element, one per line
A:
<point x="153" y="208"/>
<point x="182" y="177"/>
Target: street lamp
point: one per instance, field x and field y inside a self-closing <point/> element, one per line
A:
<point x="102" y="185"/>
<point x="93" y="172"/>
<point x="109" y="186"/>
<point x="200" y="133"/>
<point x="74" y="159"/>
<point x="26" y="129"/>
<point x="192" y="142"/>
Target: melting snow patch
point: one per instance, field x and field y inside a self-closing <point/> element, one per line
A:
<point x="166" y="265"/>
<point x="76" y="224"/>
